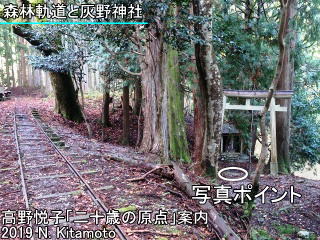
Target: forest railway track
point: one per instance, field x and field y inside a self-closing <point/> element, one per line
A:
<point x="120" y="194"/>
<point x="22" y="175"/>
<point x="28" y="134"/>
<point x="11" y="195"/>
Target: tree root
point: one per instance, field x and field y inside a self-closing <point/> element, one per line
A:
<point x="170" y="190"/>
<point x="143" y="177"/>
<point x="215" y="221"/>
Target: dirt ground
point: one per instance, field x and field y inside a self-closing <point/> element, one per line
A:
<point x="271" y="220"/>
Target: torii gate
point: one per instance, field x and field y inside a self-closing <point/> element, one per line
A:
<point x="284" y="94"/>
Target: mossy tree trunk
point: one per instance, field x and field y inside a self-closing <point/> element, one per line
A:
<point x="164" y="127"/>
<point x="178" y="145"/>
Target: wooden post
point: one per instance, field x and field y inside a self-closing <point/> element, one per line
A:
<point x="274" y="160"/>
<point x="223" y="109"/>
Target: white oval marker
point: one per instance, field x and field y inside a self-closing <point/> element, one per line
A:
<point x="233" y="168"/>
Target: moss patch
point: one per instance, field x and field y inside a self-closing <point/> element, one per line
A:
<point x="260" y="234"/>
<point x="287" y="229"/>
<point x="127" y="209"/>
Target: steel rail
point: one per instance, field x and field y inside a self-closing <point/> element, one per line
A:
<point x="117" y="228"/>
<point x="23" y="182"/>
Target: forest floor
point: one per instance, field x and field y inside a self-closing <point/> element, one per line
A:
<point x="278" y="220"/>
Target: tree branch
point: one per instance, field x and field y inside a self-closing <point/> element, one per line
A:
<point x="113" y="54"/>
<point x="128" y="71"/>
<point x="26" y="33"/>
<point x="138" y="53"/>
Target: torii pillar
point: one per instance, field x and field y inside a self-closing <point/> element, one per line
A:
<point x="274" y="155"/>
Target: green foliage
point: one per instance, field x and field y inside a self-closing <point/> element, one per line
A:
<point x="69" y="47"/>
<point x="107" y="64"/>
<point x="305" y="140"/>
<point x="308" y="21"/>
<point x="246" y="52"/>
<point x="62" y="62"/>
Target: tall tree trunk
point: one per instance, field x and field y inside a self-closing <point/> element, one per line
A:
<point x="155" y="133"/>
<point x="48" y="86"/>
<point x="164" y="127"/>
<point x="66" y="99"/>
<point x="12" y="53"/>
<point x="13" y="76"/>
<point x="253" y="138"/>
<point x="209" y="100"/>
<point x="137" y="97"/>
<point x="126" y="116"/>
<point x="30" y="75"/>
<point x="106" y="101"/>
<point x="286" y="83"/>
<point x="7" y="55"/>
<point x="22" y="65"/>
<point x="247" y="14"/>
<point x="199" y="126"/>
